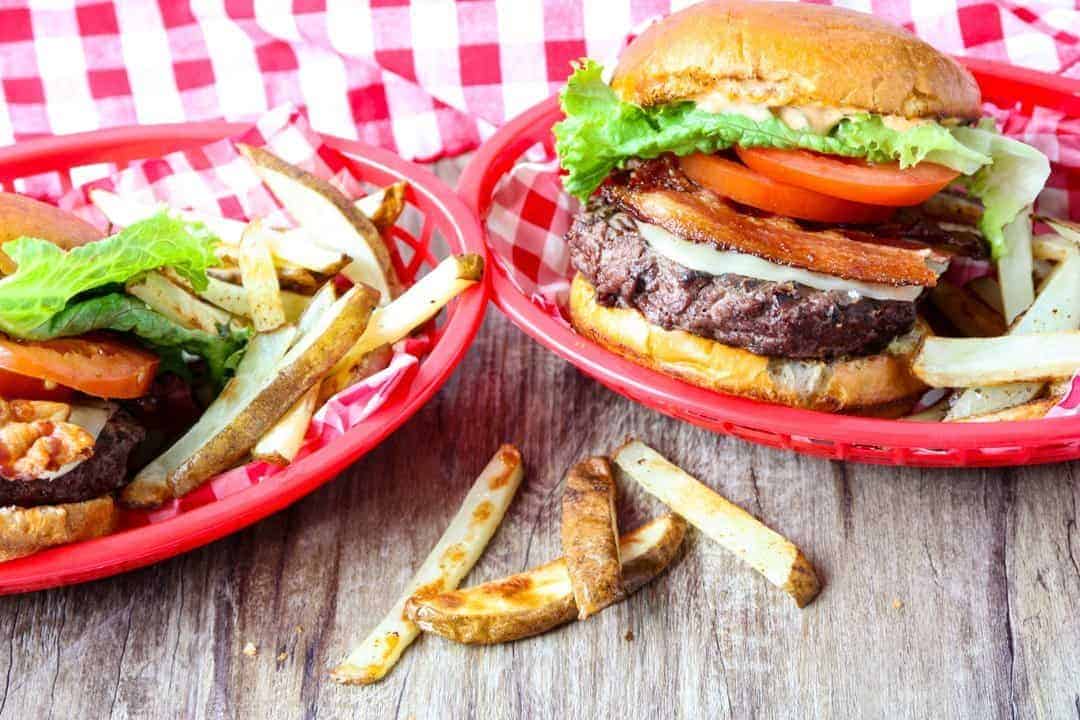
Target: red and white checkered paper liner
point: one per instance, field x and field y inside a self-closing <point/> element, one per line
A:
<point x="216" y="179"/>
<point x="530" y="213"/>
<point x="421" y="77"/>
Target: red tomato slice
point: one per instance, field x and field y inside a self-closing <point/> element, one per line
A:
<point x="99" y="367"/>
<point x="850" y="178"/>
<point x="22" y="387"/>
<point x="744" y="185"/>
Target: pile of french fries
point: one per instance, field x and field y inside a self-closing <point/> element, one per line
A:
<point x="598" y="568"/>
<point x="309" y="341"/>
<point x="1008" y="370"/>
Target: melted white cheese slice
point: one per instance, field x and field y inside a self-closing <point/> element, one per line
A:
<point x="712" y="261"/>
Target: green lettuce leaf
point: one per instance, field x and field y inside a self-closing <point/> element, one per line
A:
<point x="600" y="133"/>
<point x="1006" y="186"/>
<point x="123" y="313"/>
<point x="48" y="277"/>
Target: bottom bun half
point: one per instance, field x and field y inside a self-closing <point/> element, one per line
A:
<point x="843" y="385"/>
<point x="24" y="531"/>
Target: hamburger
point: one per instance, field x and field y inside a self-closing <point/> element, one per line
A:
<point x="92" y="378"/>
<point x="769" y="190"/>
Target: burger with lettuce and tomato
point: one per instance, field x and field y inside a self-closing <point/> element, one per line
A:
<point x="770" y="189"/>
<point x="90" y="374"/>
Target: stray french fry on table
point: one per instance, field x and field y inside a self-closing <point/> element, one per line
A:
<point x="590" y="536"/>
<point x="739" y="532"/>
<point x="449" y="562"/>
<point x="540" y="599"/>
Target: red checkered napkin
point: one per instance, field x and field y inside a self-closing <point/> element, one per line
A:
<point x="421" y="77"/>
<point x="217" y="179"/>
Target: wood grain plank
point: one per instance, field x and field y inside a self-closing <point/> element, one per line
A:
<point x="950" y="594"/>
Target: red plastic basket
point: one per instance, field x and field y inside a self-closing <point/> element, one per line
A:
<point x="838" y="437"/>
<point x="442" y="213"/>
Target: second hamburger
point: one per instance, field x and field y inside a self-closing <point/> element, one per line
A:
<point x="769" y="190"/>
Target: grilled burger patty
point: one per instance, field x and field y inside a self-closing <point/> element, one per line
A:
<point x="767" y="318"/>
<point x="105" y="471"/>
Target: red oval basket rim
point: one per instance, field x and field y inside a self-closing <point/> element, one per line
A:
<point x="141" y="546"/>
<point x="717" y="411"/>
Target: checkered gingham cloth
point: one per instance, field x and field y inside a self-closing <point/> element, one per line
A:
<point x="426" y="78"/>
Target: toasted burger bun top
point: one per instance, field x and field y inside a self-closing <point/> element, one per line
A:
<point x="781" y="54"/>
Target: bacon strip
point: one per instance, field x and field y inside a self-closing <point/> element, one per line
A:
<point x="28" y="450"/>
<point x="700" y="216"/>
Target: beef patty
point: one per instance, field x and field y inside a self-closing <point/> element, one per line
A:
<point x="767" y="318"/>
<point x="105" y="471"/>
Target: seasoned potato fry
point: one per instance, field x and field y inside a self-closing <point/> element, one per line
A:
<point x="1069" y="231"/>
<point x="280" y="445"/>
<point x="177" y="304"/>
<point x="327" y="215"/>
<point x="1056" y="308"/>
<point x="384" y="206"/>
<point x="449" y="562"/>
<point x="153" y="484"/>
<point x="265" y="308"/>
<point x="540" y="599"/>
<point x="967" y="313"/>
<point x="266" y="385"/>
<point x="590" y="536"/>
<point x="233" y="299"/>
<point x="1014" y="267"/>
<point x="413" y="308"/>
<point x="1051" y="247"/>
<point x="739" y="532"/>
<point x="974" y="362"/>
<point x="1028" y="411"/>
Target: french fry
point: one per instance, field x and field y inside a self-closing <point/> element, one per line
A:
<point x="287" y="248"/>
<point x="280" y="445"/>
<point x="540" y="599"/>
<point x="325" y="213"/>
<point x="177" y="304"/>
<point x="1014" y="267"/>
<point x="1054" y="248"/>
<point x="411" y="309"/>
<point x="384" y="206"/>
<point x="277" y="368"/>
<point x="740" y="533"/>
<point x="449" y="562"/>
<point x="1056" y="308"/>
<point x="965" y="311"/>
<point x="976" y="362"/>
<point x="234" y="298"/>
<point x="590" y="536"/>
<point x="1069" y="231"/>
<point x="1033" y="410"/>
<point x="259" y="278"/>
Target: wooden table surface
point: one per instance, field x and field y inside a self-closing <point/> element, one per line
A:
<point x="948" y="593"/>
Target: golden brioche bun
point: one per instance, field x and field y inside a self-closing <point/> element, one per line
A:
<point x="840" y="385"/>
<point x="788" y="54"/>
<point x="24" y="531"/>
